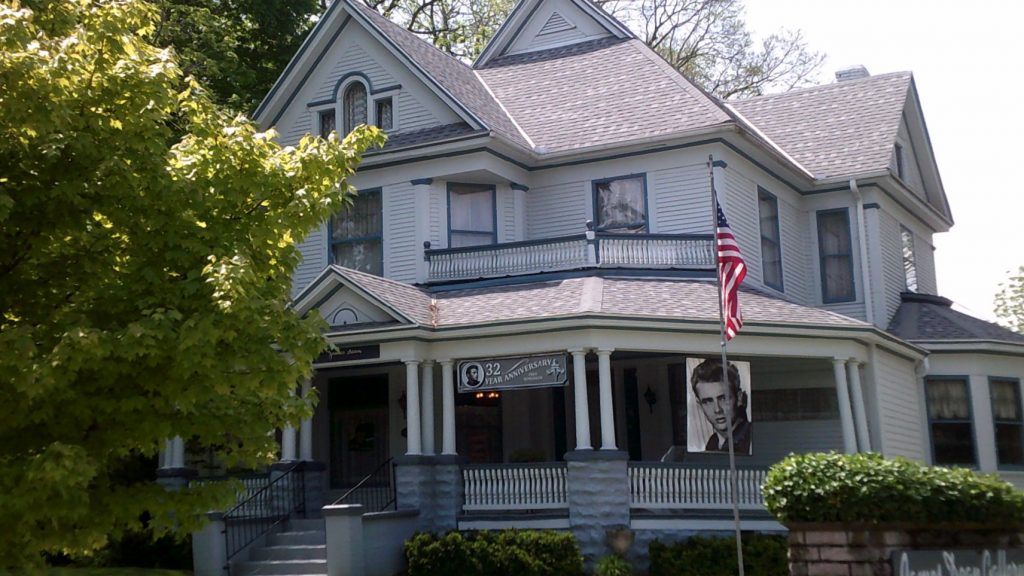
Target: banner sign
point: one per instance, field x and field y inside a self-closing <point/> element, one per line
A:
<point x="368" y="352"/>
<point x="961" y="562"/>
<point x="712" y="401"/>
<point x="513" y="373"/>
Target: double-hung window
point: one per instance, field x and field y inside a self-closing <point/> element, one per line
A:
<point x="1008" y="421"/>
<point x="771" y="243"/>
<point x="472" y="219"/>
<point x="356" y="234"/>
<point x="835" y="256"/>
<point x="949" y="421"/>
<point x="620" y="204"/>
<point x="909" y="262"/>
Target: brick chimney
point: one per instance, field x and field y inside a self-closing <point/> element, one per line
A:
<point x="852" y="73"/>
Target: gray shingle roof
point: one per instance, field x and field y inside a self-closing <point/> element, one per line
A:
<point x="692" y="300"/>
<point x="926" y="317"/>
<point x="597" y="92"/>
<point x="454" y="76"/>
<point x="432" y="134"/>
<point x="836" y="129"/>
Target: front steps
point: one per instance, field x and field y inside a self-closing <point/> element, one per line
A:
<point x="300" y="550"/>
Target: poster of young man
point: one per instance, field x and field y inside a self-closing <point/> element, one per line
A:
<point x="711" y="400"/>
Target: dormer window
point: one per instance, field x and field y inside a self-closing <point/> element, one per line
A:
<point x="353" y="106"/>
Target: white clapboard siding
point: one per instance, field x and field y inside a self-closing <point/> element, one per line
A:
<point x="894" y="278"/>
<point x="411" y="114"/>
<point x="400" y="250"/>
<point x="740" y="205"/>
<point x="911" y="173"/>
<point x="300" y="124"/>
<point x="680" y="198"/>
<point x="506" y="214"/>
<point x="314" y="259"/>
<point x="438" y="217"/>
<point x="557" y="210"/>
<point x="899" y="410"/>
<point x="353" y="58"/>
<point x="796" y="254"/>
<point x="924" y="255"/>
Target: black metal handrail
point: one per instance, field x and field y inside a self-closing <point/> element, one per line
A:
<point x="266" y="508"/>
<point x="376" y="492"/>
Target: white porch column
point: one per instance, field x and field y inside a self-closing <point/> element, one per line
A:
<point x="845" y="413"/>
<point x="447" y="408"/>
<point x="427" y="403"/>
<point x="604" y="379"/>
<point x="306" y="429"/>
<point x="177" y="459"/>
<point x="412" y="411"/>
<point x="579" y="384"/>
<point x="860" y="415"/>
<point x="288" y="444"/>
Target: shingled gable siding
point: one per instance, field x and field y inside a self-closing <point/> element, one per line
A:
<point x="314" y="259"/>
<point x="400" y="249"/>
<point x="557" y="210"/>
<point x="897" y="393"/>
<point x="911" y="171"/>
<point x="680" y="198"/>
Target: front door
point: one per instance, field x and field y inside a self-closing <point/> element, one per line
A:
<point x="359" y="427"/>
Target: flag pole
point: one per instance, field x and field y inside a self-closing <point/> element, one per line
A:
<point x="734" y="490"/>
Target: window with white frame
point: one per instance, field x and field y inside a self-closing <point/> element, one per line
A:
<point x="1007" y="420"/>
<point x="950" y="424"/>
<point x="909" y="261"/>
<point x="835" y="255"/>
<point x="471" y="215"/>
<point x="620" y="204"/>
<point x="356" y="234"/>
<point x="353" y="106"/>
<point x="384" y="113"/>
<point x="771" y="243"/>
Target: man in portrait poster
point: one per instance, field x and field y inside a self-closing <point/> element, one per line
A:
<point x="714" y="399"/>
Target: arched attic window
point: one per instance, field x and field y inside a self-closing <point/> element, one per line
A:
<point x="353" y="106"/>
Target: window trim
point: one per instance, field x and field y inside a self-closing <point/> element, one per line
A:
<point x="494" y="212"/>
<point x="778" y="232"/>
<point x="972" y="421"/>
<point x="389" y="95"/>
<point x="821" y="257"/>
<point x="340" y="103"/>
<point x="903" y="259"/>
<point x="995" y="440"/>
<point x="331" y="242"/>
<point x="643" y="184"/>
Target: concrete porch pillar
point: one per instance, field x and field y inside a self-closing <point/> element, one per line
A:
<point x="597" y="482"/>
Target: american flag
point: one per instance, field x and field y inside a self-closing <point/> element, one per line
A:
<point x="731" y="272"/>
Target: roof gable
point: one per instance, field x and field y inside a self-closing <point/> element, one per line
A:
<point x="542" y="24"/>
<point x="347" y="298"/>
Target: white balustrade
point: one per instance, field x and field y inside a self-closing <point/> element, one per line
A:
<point x="663" y="487"/>
<point x="514" y="487"/>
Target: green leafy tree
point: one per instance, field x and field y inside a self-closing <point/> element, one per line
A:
<point x="1010" y="302"/>
<point x="705" y="39"/>
<point x="144" y="275"/>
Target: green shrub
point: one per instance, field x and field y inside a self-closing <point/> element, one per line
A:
<point x="612" y="565"/>
<point x="699" y="556"/>
<point x="504" y="553"/>
<point x="869" y="488"/>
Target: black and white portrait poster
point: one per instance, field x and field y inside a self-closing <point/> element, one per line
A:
<point x="711" y="400"/>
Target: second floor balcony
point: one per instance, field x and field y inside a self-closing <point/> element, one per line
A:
<point x="592" y="250"/>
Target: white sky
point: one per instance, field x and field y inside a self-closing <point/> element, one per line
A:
<point x="967" y="63"/>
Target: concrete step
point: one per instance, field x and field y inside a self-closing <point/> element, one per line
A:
<point x="303" y="538"/>
<point x="306" y="525"/>
<point x="297" y="552"/>
<point x="283" y="567"/>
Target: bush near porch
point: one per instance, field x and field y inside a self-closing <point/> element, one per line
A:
<point x="868" y="488"/>
<point x="503" y="553"/>
<point x="763" y="555"/>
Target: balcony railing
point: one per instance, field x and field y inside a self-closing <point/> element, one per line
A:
<point x="590" y="250"/>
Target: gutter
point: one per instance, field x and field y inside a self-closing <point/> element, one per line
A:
<point x="869" y="301"/>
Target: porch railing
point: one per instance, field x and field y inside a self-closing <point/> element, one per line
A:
<point x="514" y="486"/>
<point x="590" y="250"/>
<point x="657" y="485"/>
<point x="269" y="506"/>
<point x="376" y="492"/>
<point x="251" y="483"/>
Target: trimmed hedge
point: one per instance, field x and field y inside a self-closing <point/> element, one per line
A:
<point x="763" y="555"/>
<point x="868" y="488"/>
<point x="503" y="553"/>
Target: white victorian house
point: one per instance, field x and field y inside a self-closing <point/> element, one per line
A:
<point x="547" y="211"/>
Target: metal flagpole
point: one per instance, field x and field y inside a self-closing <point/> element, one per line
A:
<point x="725" y="372"/>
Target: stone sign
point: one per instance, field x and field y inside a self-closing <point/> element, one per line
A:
<point x="513" y="373"/>
<point x="958" y="562"/>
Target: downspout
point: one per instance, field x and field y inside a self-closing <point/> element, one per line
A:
<point x="869" y="301"/>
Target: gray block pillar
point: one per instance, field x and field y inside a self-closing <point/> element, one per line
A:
<point x="315" y="486"/>
<point x="209" y="550"/>
<point x="432" y="485"/>
<point x="598" y="491"/>
<point x="447" y="497"/>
